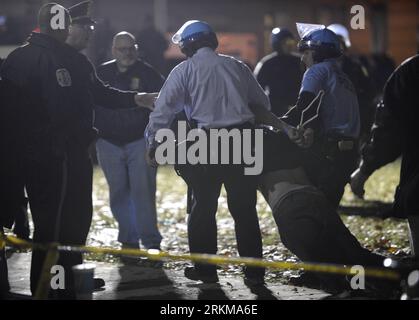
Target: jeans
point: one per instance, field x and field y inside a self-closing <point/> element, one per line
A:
<point x="132" y="188"/>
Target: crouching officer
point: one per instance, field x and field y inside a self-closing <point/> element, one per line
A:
<point x="52" y="85"/>
<point x="215" y="91"/>
<point x="333" y="156"/>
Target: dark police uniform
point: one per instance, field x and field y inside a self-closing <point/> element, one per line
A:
<point x="333" y="156"/>
<point x="123" y="126"/>
<point x="280" y="76"/>
<point x="54" y="88"/>
<point x="395" y="133"/>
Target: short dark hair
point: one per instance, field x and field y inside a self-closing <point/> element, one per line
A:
<point x="209" y="40"/>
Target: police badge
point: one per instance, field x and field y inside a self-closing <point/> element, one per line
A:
<point x="135" y="83"/>
<point x="63" y="77"/>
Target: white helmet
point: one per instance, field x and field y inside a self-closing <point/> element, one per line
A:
<point x="341" y="30"/>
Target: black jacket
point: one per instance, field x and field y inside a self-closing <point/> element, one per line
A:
<point x="54" y="91"/>
<point x="395" y="133"/>
<point x="281" y="75"/>
<point x="124" y="126"/>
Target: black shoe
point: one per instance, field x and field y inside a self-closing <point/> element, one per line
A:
<point x="193" y="274"/>
<point x="128" y="245"/>
<point x="305" y="279"/>
<point x="130" y="260"/>
<point x="98" y="283"/>
<point x="329" y="283"/>
<point x="149" y="263"/>
<point x="254" y="281"/>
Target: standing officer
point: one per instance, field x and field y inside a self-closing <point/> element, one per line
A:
<point x="215" y="91"/>
<point x="395" y="133"/>
<point x="333" y="156"/>
<point x="52" y="86"/>
<point x="279" y="73"/>
<point x="121" y="147"/>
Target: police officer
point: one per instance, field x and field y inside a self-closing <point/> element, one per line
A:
<point x="279" y="73"/>
<point x="215" y="91"/>
<point x="333" y="155"/>
<point x="52" y="86"/>
<point x="82" y="25"/>
<point x="395" y="133"/>
<point x="360" y="78"/>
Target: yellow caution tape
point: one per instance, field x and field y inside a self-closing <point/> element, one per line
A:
<point x="217" y="260"/>
<point x="51" y="259"/>
<point x="2" y="243"/>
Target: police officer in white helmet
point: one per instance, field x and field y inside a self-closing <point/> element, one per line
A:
<point x="215" y="91"/>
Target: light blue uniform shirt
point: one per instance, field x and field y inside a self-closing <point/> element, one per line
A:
<point x="339" y="112"/>
<point x="215" y="90"/>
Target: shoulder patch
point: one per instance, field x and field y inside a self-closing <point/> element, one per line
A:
<point x="63" y="77"/>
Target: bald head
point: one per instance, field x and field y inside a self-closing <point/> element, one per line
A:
<point x="123" y="36"/>
<point x="124" y="50"/>
<point x="54" y="20"/>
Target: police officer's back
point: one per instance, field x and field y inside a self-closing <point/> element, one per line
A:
<point x="280" y="73"/>
<point x="215" y="92"/>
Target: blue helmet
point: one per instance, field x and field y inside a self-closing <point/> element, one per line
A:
<point x="278" y="35"/>
<point x="193" y="31"/>
<point x="323" y="41"/>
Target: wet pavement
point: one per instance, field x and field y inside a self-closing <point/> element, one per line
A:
<point x="143" y="282"/>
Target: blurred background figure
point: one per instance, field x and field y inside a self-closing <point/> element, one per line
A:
<point x="360" y="78"/>
<point x="102" y="41"/>
<point x="280" y="72"/>
<point x="380" y="66"/>
<point x="153" y="44"/>
<point x="121" y="147"/>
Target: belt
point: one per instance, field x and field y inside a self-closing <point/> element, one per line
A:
<point x="241" y="126"/>
<point x="342" y="144"/>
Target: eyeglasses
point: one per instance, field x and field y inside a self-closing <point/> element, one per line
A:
<point x="127" y="49"/>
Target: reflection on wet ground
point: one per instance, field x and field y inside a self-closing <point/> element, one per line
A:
<point x="136" y="282"/>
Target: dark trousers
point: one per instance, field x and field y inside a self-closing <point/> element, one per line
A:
<point x="311" y="229"/>
<point x="206" y="182"/>
<point x="331" y="173"/>
<point x="4" y="281"/>
<point x="52" y="182"/>
<point x="21" y="226"/>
